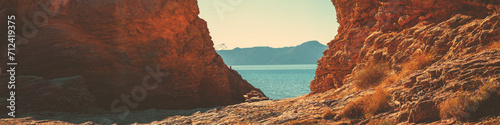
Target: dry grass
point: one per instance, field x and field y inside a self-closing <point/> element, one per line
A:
<point x="378" y="102"/>
<point x="453" y="107"/>
<point x="392" y="78"/>
<point x="418" y="61"/>
<point x="465" y="103"/>
<point x="368" y="105"/>
<point x="370" y="76"/>
<point x="354" y="109"/>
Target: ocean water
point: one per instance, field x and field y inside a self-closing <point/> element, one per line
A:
<point x="279" y="81"/>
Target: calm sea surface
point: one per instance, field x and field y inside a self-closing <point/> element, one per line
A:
<point x="279" y="81"/>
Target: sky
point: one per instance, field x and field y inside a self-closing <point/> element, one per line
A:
<point x="274" y="23"/>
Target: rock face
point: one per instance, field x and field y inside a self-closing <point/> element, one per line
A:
<point x="443" y="80"/>
<point x="158" y="54"/>
<point x="393" y="30"/>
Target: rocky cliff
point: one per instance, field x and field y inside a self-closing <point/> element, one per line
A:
<point x="156" y="54"/>
<point x="391" y="31"/>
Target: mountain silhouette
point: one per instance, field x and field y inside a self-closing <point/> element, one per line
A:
<point x="305" y="53"/>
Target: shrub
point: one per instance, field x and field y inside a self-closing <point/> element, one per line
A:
<point x="377" y="103"/>
<point x="392" y="78"/>
<point x="464" y="104"/>
<point x="453" y="107"/>
<point x="354" y="109"/>
<point x="417" y="61"/>
<point x="368" y="105"/>
<point x="370" y="76"/>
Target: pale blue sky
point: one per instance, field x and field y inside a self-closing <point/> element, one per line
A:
<point x="274" y="23"/>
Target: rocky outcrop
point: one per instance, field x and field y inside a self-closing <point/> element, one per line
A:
<point x="393" y="30"/>
<point x="158" y="54"/>
<point x="426" y="89"/>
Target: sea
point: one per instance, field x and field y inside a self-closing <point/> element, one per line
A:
<point x="279" y="81"/>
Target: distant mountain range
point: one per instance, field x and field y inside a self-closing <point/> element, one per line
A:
<point x="305" y="53"/>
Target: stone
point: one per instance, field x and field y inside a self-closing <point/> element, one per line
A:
<point x="255" y="96"/>
<point x="424" y="111"/>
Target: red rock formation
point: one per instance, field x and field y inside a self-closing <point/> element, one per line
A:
<point x="392" y="30"/>
<point x="117" y="45"/>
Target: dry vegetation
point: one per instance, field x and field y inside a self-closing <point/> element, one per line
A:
<point x="377" y="74"/>
<point x="367" y="106"/>
<point x="370" y="76"/>
<point x="373" y="75"/>
<point x="466" y="103"/>
<point x="418" y="61"/>
<point x="453" y="107"/>
<point x="354" y="109"/>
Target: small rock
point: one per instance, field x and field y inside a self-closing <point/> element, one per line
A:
<point x="253" y="99"/>
<point x="264" y="98"/>
<point x="255" y="96"/>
